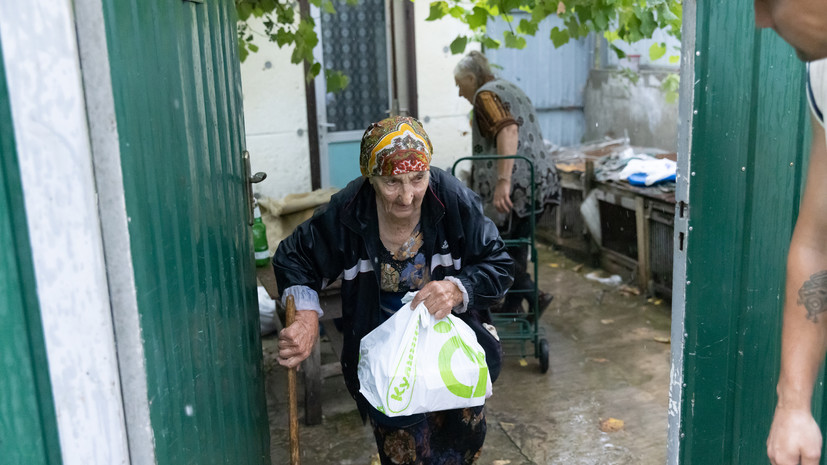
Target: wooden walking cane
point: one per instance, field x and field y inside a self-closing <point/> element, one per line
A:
<point x="293" y="414"/>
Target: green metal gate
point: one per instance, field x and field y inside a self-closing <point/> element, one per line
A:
<point x="177" y="96"/>
<point x="28" y="429"/>
<point x="743" y="147"/>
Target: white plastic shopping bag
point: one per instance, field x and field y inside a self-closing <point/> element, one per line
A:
<point x="414" y="363"/>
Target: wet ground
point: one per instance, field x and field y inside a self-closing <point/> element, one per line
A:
<point x="609" y="363"/>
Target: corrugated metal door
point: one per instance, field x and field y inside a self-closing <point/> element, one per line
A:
<point x="553" y="78"/>
<point x="176" y="83"/>
<point x="742" y="157"/>
<point x="28" y="428"/>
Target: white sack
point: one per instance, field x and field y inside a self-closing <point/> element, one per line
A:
<point x="266" y="312"/>
<point x="414" y="363"/>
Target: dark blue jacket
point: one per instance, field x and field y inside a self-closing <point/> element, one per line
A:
<point x="341" y="240"/>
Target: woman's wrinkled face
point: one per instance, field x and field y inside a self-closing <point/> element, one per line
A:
<point x="802" y="23"/>
<point x="467" y="85"/>
<point x="400" y="196"/>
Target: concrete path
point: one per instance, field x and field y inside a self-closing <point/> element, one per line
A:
<point x="609" y="361"/>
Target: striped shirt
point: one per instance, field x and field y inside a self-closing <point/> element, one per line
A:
<point x="817" y="88"/>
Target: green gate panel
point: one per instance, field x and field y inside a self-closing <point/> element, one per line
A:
<point x="177" y="90"/>
<point x="749" y="146"/>
<point x="28" y="426"/>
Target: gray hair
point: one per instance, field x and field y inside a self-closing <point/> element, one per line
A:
<point x="474" y="64"/>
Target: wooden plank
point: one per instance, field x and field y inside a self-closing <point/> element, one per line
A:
<point x="588" y="178"/>
<point x="313" y="386"/>
<point x="335" y="337"/>
<point x="328" y="370"/>
<point x="642" y="229"/>
<point x="617" y="263"/>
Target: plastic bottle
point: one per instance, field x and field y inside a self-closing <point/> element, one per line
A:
<point x="262" y="251"/>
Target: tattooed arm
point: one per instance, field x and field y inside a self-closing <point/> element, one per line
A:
<point x="795" y="436"/>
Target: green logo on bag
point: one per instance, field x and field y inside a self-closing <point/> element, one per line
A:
<point x="400" y="388"/>
<point x="446" y="354"/>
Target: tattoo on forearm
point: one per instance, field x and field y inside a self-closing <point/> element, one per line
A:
<point x="813" y="295"/>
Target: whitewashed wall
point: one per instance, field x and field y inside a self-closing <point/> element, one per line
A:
<point x="616" y="107"/>
<point x="276" y="119"/>
<point x="444" y="114"/>
<point x="641" y="47"/>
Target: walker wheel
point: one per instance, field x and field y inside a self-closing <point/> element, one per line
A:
<point x="543" y="356"/>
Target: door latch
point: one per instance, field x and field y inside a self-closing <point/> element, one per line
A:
<point x="249" y="181"/>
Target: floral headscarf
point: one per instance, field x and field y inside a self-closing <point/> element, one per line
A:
<point x="395" y="145"/>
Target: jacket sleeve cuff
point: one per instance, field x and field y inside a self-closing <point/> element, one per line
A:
<point x="463" y="307"/>
<point x="304" y="297"/>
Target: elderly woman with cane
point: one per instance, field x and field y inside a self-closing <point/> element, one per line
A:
<point x="403" y="226"/>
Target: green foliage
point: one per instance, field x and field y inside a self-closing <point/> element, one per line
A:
<point x="627" y="20"/>
<point x="438" y="10"/>
<point x="620" y="53"/>
<point x="656" y="51"/>
<point x="458" y="45"/>
<point x="283" y="24"/>
<point x="336" y="80"/>
<point x="478" y="18"/>
<point x="671" y="85"/>
<point x="559" y="37"/>
<point x="526" y="27"/>
<point x="514" y="41"/>
<point x="629" y="74"/>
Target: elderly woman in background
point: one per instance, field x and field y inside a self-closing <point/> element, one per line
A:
<point x="505" y="123"/>
<point x="403" y="226"/>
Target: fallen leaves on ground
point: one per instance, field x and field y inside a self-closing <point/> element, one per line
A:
<point x="523" y="362"/>
<point x="607" y="321"/>
<point x="610" y="425"/>
<point x="501" y="462"/>
<point x="554" y="265"/>
<point x="578" y="268"/>
<point x="663" y="339"/>
<point x="598" y="359"/>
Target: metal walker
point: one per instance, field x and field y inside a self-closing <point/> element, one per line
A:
<point x="521" y="327"/>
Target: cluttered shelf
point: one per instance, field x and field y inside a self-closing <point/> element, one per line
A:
<point x="617" y="206"/>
